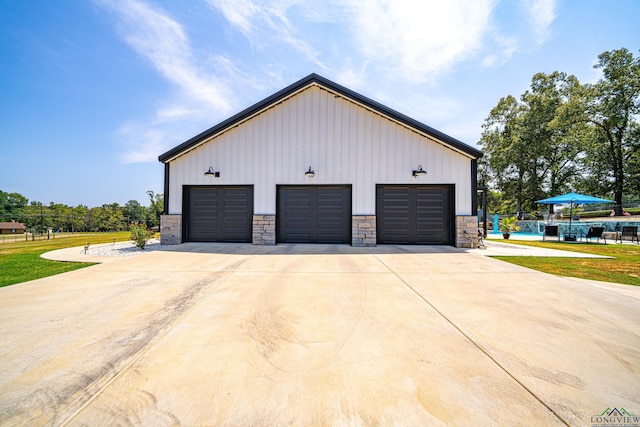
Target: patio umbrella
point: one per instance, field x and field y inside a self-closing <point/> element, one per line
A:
<point x="573" y="198"/>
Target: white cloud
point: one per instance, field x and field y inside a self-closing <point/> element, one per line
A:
<point x="541" y="14"/>
<point x="164" y="43"/>
<point x="503" y="49"/>
<point x="413" y="41"/>
<point x="419" y="40"/>
<point x="352" y="78"/>
<point x="265" y="21"/>
<point x="151" y="142"/>
<point x="143" y="141"/>
<point x="239" y="13"/>
<point x="173" y="113"/>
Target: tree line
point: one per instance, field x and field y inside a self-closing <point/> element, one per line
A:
<point x="39" y="217"/>
<point x="561" y="135"/>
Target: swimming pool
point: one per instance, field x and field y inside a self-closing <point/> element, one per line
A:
<point x="536" y="228"/>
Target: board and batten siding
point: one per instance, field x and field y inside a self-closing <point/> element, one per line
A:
<point x="343" y="142"/>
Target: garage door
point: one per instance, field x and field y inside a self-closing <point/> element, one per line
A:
<point x="414" y="214"/>
<point x="313" y="214"/>
<point x="218" y="213"/>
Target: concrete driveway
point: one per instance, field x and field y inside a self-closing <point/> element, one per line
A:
<point x="239" y="335"/>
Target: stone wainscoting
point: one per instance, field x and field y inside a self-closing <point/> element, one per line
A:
<point x="264" y="230"/>
<point x="170" y="229"/>
<point x="363" y="230"/>
<point x="466" y="232"/>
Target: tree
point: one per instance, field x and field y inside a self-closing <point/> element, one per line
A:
<point x="92" y="219"/>
<point x="79" y="218"/>
<point x="529" y="153"/>
<point x="58" y="216"/>
<point x="555" y="165"/>
<point x="134" y="212"/>
<point x="633" y="163"/>
<point x="12" y="206"/>
<point x="155" y="209"/>
<point x="38" y="217"/>
<point x="503" y="162"/>
<point x="109" y="217"/>
<point x="612" y="106"/>
<point x="59" y="213"/>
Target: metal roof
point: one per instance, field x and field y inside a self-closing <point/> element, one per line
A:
<point x="314" y="79"/>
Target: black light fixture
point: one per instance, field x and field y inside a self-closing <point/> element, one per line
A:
<point x="210" y="172"/>
<point x="310" y="173"/>
<point x="419" y="171"/>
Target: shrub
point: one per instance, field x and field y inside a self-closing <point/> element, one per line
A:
<point x="140" y="235"/>
<point x="509" y="224"/>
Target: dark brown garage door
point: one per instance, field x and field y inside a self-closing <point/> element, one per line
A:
<point x="218" y="213"/>
<point x="414" y="214"/>
<point x="313" y="214"/>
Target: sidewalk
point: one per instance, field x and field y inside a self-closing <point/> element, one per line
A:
<point x="501" y="248"/>
<point x="103" y="252"/>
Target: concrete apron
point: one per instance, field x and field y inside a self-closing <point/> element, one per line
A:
<point x="316" y="335"/>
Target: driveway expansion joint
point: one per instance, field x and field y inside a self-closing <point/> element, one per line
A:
<point x="475" y="343"/>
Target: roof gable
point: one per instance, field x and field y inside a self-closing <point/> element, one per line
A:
<point x="314" y="79"/>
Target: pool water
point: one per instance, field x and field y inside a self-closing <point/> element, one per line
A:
<point x="536" y="228"/>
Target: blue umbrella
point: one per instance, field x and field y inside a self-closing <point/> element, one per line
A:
<point x="578" y="199"/>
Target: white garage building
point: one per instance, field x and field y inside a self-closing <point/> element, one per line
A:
<point x="319" y="163"/>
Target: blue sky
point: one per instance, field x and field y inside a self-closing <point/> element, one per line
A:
<point x="91" y="92"/>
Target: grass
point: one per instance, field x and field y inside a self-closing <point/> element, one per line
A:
<point x="623" y="268"/>
<point x="21" y="262"/>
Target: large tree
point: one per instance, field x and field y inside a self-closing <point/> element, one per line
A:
<point x="612" y="107"/>
<point x="503" y="164"/>
<point x="528" y="153"/>
<point x="554" y="148"/>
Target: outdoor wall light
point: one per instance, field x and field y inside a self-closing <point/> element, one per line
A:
<point x="210" y="172"/>
<point x="310" y="173"/>
<point x="419" y="171"/>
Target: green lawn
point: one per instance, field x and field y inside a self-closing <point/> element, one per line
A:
<point x="21" y="262"/>
<point x="623" y="268"/>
